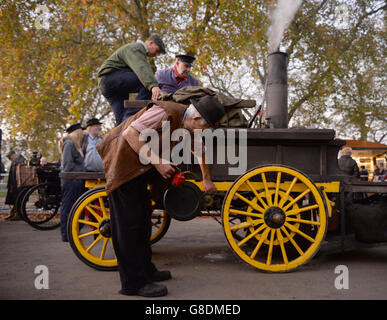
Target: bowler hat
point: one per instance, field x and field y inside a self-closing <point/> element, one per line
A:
<point x="186" y="59"/>
<point x="92" y="122"/>
<point x="74" y="127"/>
<point x="210" y="109"/>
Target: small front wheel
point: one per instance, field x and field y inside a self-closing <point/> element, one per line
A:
<point x="89" y="229"/>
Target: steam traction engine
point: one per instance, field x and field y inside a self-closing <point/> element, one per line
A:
<point x="292" y="201"/>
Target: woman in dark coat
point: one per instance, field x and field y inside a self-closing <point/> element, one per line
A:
<point x="12" y="188"/>
<point x="71" y="161"/>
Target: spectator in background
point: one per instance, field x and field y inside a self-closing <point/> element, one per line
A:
<point x="43" y="161"/>
<point x="347" y="164"/>
<point x="2" y="170"/>
<point x="12" y="187"/>
<point x="93" y="161"/>
<point x="72" y="161"/>
<point x="379" y="172"/>
<point x="363" y="174"/>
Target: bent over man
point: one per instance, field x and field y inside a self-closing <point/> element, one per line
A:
<point x="126" y="184"/>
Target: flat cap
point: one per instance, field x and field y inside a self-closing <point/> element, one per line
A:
<point x="157" y="39"/>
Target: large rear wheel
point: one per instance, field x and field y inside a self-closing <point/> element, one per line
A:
<point x="274" y="218"/>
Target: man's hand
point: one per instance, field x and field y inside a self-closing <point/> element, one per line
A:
<point x="166" y="170"/>
<point x="156" y="92"/>
<point x="209" y="186"/>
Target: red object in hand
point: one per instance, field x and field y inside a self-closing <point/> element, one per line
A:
<point x="178" y="179"/>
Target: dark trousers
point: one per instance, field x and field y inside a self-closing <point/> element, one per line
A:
<point x="72" y="189"/>
<point x="130" y="214"/>
<point x="116" y="86"/>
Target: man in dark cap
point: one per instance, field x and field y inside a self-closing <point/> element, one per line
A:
<point x="127" y="180"/>
<point x="177" y="77"/>
<point x="126" y="71"/>
<point x="93" y="122"/>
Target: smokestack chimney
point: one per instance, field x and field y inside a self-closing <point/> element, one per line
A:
<point x="277" y="90"/>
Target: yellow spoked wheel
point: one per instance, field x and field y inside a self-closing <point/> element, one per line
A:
<point x="90" y="233"/>
<point x="160" y="224"/>
<point x="274" y="218"/>
<point x="89" y="230"/>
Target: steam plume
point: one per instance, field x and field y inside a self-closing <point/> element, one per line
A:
<point x="280" y="18"/>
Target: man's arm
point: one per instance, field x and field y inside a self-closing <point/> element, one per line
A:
<point x="208" y="185"/>
<point x="152" y="119"/>
<point x="132" y="136"/>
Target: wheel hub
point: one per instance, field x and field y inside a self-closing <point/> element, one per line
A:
<point x="104" y="228"/>
<point x="274" y="217"/>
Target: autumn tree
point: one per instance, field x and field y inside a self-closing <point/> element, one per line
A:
<point x="48" y="76"/>
<point x="330" y="64"/>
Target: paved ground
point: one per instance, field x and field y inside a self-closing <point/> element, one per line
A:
<point x="200" y="260"/>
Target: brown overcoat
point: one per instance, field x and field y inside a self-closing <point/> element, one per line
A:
<point x="121" y="163"/>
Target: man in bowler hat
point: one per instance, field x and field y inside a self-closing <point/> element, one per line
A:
<point x="90" y="140"/>
<point x="92" y="133"/>
<point x="127" y="181"/>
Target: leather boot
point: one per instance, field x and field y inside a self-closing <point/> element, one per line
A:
<point x="148" y="290"/>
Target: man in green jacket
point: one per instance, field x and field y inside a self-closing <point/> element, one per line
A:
<point x="127" y="71"/>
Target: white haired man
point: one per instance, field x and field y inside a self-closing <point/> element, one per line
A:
<point x="347" y="164"/>
<point x="127" y="180"/>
